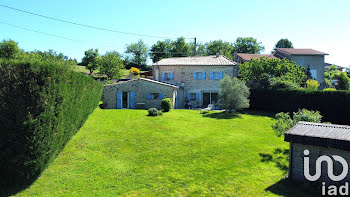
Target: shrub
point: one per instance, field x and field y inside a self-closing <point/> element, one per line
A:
<point x="333" y="105"/>
<point x="329" y="89"/>
<point x="280" y="83"/>
<point x="154" y="112"/>
<point x="234" y="94"/>
<point x="166" y="104"/>
<point x="284" y="122"/>
<point x="312" y="84"/>
<point x="42" y="105"/>
<point x="343" y="81"/>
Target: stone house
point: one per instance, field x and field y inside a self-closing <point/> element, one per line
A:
<point x="198" y="77"/>
<point x="141" y="93"/>
<point x="307" y="58"/>
<point x="312" y="140"/>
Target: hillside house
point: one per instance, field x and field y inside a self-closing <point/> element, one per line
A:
<point x="307" y="58"/>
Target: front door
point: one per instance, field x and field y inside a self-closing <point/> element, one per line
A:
<point x="125" y="100"/>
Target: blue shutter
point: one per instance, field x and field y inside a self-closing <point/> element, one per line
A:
<point x="221" y="75"/>
<point x="203" y="75"/>
<point x="163" y="78"/>
<point x="197" y="96"/>
<point x="132" y="100"/>
<point x="119" y="99"/>
<point x="161" y="96"/>
<point x="172" y="76"/>
<point x="194" y="75"/>
<point x="188" y="96"/>
<point x="211" y="75"/>
<point x="148" y="96"/>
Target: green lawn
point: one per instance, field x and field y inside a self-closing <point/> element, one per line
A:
<point x="125" y="152"/>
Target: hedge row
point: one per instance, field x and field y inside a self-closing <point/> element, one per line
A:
<point x="333" y="105"/>
<point x="42" y="105"/>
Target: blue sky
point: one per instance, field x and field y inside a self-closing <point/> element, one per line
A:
<point x="321" y="25"/>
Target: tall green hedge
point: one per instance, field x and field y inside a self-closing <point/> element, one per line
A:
<point x="333" y="105"/>
<point x="42" y="105"/>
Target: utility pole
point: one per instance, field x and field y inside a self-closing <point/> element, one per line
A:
<point x="195" y="47"/>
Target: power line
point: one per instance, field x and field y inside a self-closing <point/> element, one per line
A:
<point x="83" y="25"/>
<point x="40" y="32"/>
<point x="70" y="39"/>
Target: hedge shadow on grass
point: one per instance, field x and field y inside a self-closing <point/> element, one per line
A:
<point x="222" y="115"/>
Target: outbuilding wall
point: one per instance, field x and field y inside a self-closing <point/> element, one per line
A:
<point x="296" y="168"/>
<point x="141" y="89"/>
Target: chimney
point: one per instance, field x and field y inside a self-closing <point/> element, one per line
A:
<point x="217" y="54"/>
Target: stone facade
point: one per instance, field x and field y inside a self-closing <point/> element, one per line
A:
<point x="206" y="83"/>
<point x="296" y="165"/>
<point x="137" y="94"/>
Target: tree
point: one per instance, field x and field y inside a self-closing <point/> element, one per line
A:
<point x="180" y="48"/>
<point x="91" y="60"/>
<point x="248" y="45"/>
<point x="234" y="94"/>
<point x="259" y="73"/>
<point x="284" y="121"/>
<point x="343" y="81"/>
<point x="218" y="46"/>
<point x="134" y="72"/>
<point x="137" y="54"/>
<point x="111" y="65"/>
<point x="308" y="73"/>
<point x="161" y="50"/>
<point x="8" y="49"/>
<point x="200" y="49"/>
<point x="284" y="43"/>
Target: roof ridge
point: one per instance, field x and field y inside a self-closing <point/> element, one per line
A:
<point x="324" y="124"/>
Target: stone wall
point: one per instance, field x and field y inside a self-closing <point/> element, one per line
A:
<point x="183" y="77"/>
<point x="141" y="88"/>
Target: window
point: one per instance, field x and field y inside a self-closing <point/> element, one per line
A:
<point x="313" y="73"/>
<point x="193" y="96"/>
<point x="216" y="75"/>
<point x="167" y="76"/>
<point x="199" y="75"/>
<point x="154" y="96"/>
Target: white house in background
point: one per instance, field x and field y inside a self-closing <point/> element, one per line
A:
<point x="307" y="58"/>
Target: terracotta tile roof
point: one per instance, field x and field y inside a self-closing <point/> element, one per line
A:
<point x="196" y="61"/>
<point x="247" y="56"/>
<point x="301" y="51"/>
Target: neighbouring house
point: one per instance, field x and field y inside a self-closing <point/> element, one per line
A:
<point x="307" y="58"/>
<point x="327" y="66"/>
<point x="198" y="77"/>
<point x="141" y="93"/>
<point x="312" y="140"/>
<point x="243" y="57"/>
